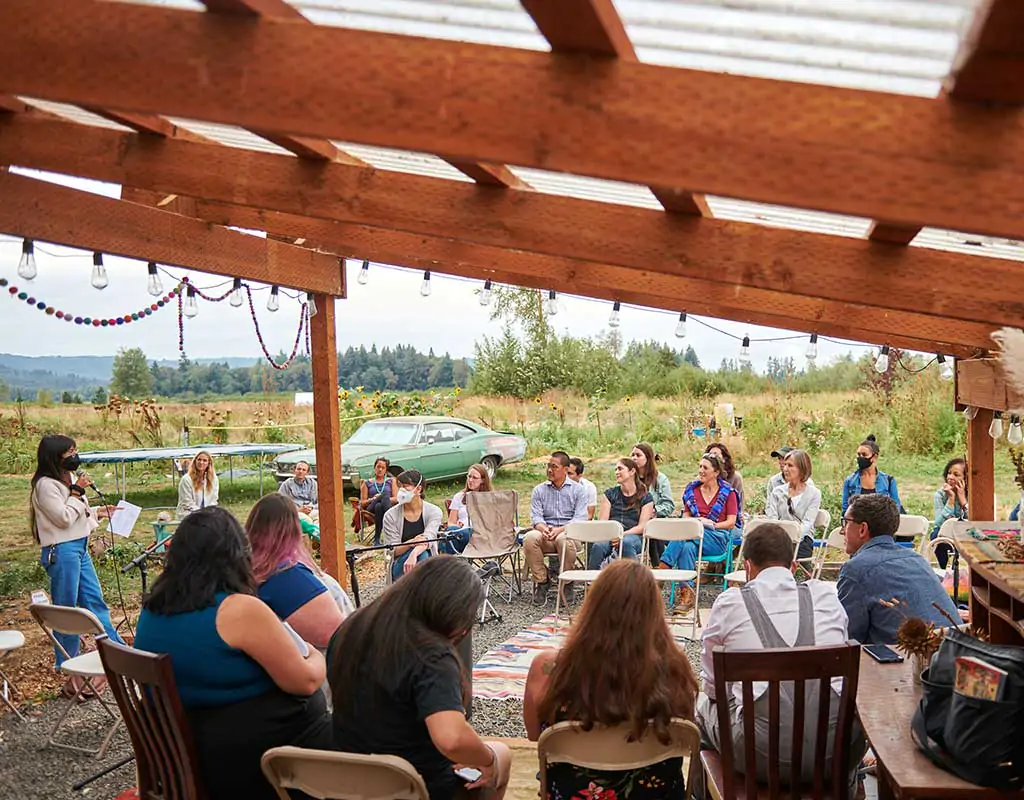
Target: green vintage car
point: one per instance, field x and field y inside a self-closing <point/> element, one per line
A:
<point x="439" y="447"/>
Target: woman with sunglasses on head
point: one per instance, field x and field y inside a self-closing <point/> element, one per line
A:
<point x="62" y="521"/>
<point x="796" y="500"/>
<point x="411" y="527"/>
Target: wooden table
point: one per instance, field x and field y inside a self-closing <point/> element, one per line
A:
<point x="886" y="700"/>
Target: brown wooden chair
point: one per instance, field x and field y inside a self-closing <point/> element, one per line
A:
<point x="362" y="520"/>
<point x="800" y="665"/>
<point x="146" y="693"/>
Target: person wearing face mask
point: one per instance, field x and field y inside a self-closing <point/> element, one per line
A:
<point x="867" y="478"/>
<point x="62" y="520"/>
<point x="411" y="526"/>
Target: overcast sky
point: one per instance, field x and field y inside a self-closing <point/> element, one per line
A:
<point x="388" y="310"/>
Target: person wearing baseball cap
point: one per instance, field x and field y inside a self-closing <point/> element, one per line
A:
<point x="777" y="479"/>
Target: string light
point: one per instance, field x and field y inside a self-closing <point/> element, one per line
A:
<point x="311" y="302"/>
<point x="237" y="296"/>
<point x="970" y="412"/>
<point x="995" y="428"/>
<point x="614" y="317"/>
<point x="552" y="303"/>
<point x="485" y="293"/>
<point x="812" y="347"/>
<point x="153" y="283"/>
<point x="364" y="273"/>
<point x="99" y="272"/>
<point x="273" y="302"/>
<point x="882" y="362"/>
<point x="745" y="351"/>
<point x="94" y="322"/>
<point x="190" y="308"/>
<point x="425" y="286"/>
<point x="681" y="326"/>
<point x="27" y="269"/>
<point x="945" y="368"/>
<point x="1015" y="436"/>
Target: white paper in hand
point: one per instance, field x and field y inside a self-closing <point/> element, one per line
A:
<point x="124" y="518"/>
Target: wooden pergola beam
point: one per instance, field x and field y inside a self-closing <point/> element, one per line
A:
<point x="44" y="211"/>
<point x="772" y="141"/>
<point x="989" y="66"/>
<point x="735" y="255"/>
<point x="761" y="307"/>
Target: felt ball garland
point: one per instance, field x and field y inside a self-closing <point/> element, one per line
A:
<point x="96" y="322"/>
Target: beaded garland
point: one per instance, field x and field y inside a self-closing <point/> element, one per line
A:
<point x="94" y="322"/>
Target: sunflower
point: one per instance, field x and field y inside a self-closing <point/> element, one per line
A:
<point x="458" y="390"/>
<point x="537" y="400"/>
<point x="359" y="388"/>
<point x="627" y="399"/>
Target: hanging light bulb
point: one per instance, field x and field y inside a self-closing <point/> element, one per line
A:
<point x="237" y="297"/>
<point x="882" y="362"/>
<point x="995" y="428"/>
<point x="273" y="302"/>
<point x="425" y="286"/>
<point x="745" y="351"/>
<point x="1015" y="436"/>
<point x="552" y="304"/>
<point x="945" y="368"/>
<point x="613" y="319"/>
<point x="364" y="273"/>
<point x="681" y="326"/>
<point x="970" y="412"/>
<point x="191" y="307"/>
<point x="153" y="283"/>
<point x="99" y="272"/>
<point x="485" y="294"/>
<point x="812" y="347"/>
<point x="311" y="301"/>
<point x="27" y="269"/>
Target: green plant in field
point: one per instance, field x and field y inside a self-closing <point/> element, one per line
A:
<point x="268" y="420"/>
<point x="216" y="421"/>
<point x="18" y="578"/>
<point x="597" y="404"/>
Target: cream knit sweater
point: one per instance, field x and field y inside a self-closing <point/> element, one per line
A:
<point x="60" y="515"/>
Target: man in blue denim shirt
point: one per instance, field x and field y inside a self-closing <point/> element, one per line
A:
<point x="881" y="570"/>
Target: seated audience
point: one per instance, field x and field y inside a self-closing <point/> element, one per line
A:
<point x="884" y="583"/>
<point x="778" y="478"/>
<point x="199" y="487"/>
<point x="377" y="495"/>
<point x="553" y="504"/>
<point x="658" y="485"/>
<point x="770" y="611"/>
<point x="576" y="468"/>
<point x="411" y="527"/>
<point x="400" y="651"/>
<point x="797" y="500"/>
<point x="644" y="685"/>
<point x="286" y="577"/>
<point x="477" y="480"/>
<point x="735" y="480"/>
<point x="247" y="684"/>
<point x="712" y="500"/>
<point x="301" y="490"/>
<point x="950" y="503"/>
<point x="628" y="503"/>
<point x="867" y="478"/>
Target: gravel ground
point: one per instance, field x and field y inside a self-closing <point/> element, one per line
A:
<point x="29" y="770"/>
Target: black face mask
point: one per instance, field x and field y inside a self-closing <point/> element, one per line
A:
<point x="863" y="463"/>
<point x="71" y="463"/>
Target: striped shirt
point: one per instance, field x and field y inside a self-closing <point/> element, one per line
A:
<point x="556" y="506"/>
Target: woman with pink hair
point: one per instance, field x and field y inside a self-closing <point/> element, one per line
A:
<point x="287" y="578"/>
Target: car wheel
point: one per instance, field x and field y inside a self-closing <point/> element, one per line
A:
<point x="491" y="465"/>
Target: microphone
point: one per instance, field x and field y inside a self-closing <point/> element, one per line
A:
<point x="91" y="485"/>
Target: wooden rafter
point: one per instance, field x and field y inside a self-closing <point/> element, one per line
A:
<point x="13" y="105"/>
<point x="733" y="254"/>
<point x="765" y="140"/>
<point x="50" y="213"/>
<point x="594" y="28"/>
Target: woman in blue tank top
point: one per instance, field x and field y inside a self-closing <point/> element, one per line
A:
<point x="246" y="684"/>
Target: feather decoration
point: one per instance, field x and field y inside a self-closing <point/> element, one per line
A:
<point x="1011" y="358"/>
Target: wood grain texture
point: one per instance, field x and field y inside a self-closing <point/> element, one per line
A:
<point x="892" y="234"/>
<point x="981" y="463"/>
<point x="914" y="159"/>
<point x="981" y="383"/>
<point x="989" y="66"/>
<point x="737" y="255"/>
<point x="50" y="213"/>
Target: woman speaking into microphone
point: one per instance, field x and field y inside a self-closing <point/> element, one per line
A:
<point x="62" y="520"/>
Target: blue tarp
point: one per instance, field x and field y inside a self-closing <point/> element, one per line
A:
<point x="162" y="453"/>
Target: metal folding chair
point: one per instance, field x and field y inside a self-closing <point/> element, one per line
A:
<point x="590" y="531"/>
<point x="679" y="529"/>
<point x="10" y="641"/>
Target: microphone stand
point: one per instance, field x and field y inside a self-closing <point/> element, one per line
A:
<point x="352" y="552"/>
<point x="140" y="560"/>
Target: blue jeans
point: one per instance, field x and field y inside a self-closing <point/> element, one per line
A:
<point x="73" y="582"/>
<point x="456" y="545"/>
<point x="399" y="562"/>
<point x="683" y="555"/>
<point x="632" y="544"/>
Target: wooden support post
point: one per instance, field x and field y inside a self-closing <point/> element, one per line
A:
<point x="980" y="460"/>
<point x="327" y="436"/>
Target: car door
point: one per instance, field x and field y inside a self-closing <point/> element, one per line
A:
<point x="440" y="452"/>
<point x="469" y="445"/>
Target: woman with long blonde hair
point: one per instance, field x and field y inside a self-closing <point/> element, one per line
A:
<point x="199" y="486"/>
<point x="477" y="480"/>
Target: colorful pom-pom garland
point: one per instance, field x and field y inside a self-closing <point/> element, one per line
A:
<point x="66" y="316"/>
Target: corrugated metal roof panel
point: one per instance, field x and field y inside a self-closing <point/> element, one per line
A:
<point x="74" y="113"/>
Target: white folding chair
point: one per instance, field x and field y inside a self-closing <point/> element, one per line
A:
<point x="822" y="523"/>
<point x="10" y="641"/>
<point x="332" y="775"/>
<point x="87" y="666"/>
<point x="946" y="535"/>
<point x="791" y="527"/>
<point x="679" y="529"/>
<point x="911" y="526"/>
<point x="836" y="541"/>
<point x="589" y="532"/>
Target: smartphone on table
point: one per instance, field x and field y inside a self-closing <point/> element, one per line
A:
<point x="883" y="654"/>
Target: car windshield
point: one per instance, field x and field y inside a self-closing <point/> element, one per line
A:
<point x="385" y="433"/>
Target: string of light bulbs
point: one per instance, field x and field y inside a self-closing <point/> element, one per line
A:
<point x="1014" y="432"/>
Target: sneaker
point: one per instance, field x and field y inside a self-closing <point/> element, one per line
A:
<point x="540" y="593"/>
<point x="685" y="599"/>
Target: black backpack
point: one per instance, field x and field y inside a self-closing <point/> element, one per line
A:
<point x="982" y="741"/>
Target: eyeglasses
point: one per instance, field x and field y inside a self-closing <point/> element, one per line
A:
<point x="848" y="521"/>
<point x="554" y="465"/>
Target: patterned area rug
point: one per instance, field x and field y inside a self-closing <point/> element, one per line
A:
<point x="501" y="673"/>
